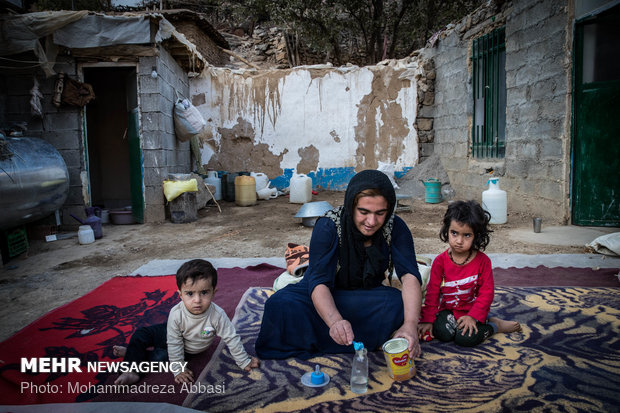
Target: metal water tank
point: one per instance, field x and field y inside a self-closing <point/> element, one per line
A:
<point x="34" y="180"/>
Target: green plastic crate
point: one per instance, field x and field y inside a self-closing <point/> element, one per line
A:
<point x="17" y="241"/>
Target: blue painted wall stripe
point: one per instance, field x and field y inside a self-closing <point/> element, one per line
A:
<point x="331" y="179"/>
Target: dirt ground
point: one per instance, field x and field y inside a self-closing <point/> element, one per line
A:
<point x="53" y="273"/>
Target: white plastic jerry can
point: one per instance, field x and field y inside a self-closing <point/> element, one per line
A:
<point x="494" y="201"/>
<point x="300" y="189"/>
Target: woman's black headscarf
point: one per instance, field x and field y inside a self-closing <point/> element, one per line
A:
<point x="360" y="266"/>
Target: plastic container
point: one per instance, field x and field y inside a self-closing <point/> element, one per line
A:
<point x="267" y="193"/>
<point x="105" y="216"/>
<point x="494" y="201"/>
<point x="262" y="181"/>
<point x="228" y="186"/>
<point x="94" y="221"/>
<point x="213" y="179"/>
<point x="300" y="189"/>
<point x="359" y="369"/>
<point x="432" y="194"/>
<point x="245" y="190"/>
<point x="122" y="216"/>
<point x="86" y="235"/>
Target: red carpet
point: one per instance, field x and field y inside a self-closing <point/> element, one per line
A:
<point x="88" y="327"/>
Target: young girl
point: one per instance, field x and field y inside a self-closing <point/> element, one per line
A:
<point x="460" y="290"/>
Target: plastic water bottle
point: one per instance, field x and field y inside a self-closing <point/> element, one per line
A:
<point x="359" y="369"/>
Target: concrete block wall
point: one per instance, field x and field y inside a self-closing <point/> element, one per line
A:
<point x="539" y="36"/>
<point x="61" y="127"/>
<point x="162" y="152"/>
<point x="535" y="169"/>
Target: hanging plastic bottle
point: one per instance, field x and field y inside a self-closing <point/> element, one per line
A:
<point x="359" y="369"/>
<point x="494" y="202"/>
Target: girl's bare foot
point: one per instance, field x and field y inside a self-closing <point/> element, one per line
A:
<point x="127" y="378"/>
<point x="119" y="351"/>
<point x="505" y="326"/>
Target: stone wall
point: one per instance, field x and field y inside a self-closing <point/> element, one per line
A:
<point x="274" y="47"/>
<point x="426" y="102"/>
<point x="163" y="153"/>
<point x="535" y="169"/>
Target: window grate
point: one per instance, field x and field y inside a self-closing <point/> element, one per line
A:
<point x="489" y="66"/>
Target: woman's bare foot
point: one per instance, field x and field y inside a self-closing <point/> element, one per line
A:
<point x="119" y="351"/>
<point x="504" y="326"/>
<point x="127" y="378"/>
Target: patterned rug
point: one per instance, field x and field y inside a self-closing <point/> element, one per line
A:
<point x="567" y="358"/>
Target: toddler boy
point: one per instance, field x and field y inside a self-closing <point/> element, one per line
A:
<point x="192" y="325"/>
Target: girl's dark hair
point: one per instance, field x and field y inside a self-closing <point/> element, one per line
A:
<point x="196" y="270"/>
<point x="472" y="214"/>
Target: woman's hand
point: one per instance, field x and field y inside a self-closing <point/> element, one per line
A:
<point x="467" y="324"/>
<point x="409" y="331"/>
<point x="342" y="332"/>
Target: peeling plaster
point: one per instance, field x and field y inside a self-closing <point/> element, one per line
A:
<point x="309" y="119"/>
<point x="382" y="127"/>
<point x="309" y="160"/>
<point x="237" y="152"/>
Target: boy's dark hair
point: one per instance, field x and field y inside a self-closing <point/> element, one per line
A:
<point x="196" y="270"/>
<point x="472" y="214"/>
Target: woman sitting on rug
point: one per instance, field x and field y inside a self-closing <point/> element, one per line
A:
<point x="341" y="297"/>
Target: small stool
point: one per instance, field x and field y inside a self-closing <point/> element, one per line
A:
<point x="399" y="206"/>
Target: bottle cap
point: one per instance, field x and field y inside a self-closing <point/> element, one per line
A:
<point x="358" y="346"/>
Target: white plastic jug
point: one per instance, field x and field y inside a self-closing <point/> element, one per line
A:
<point x="300" y="189"/>
<point x="261" y="180"/>
<point x="86" y="235"/>
<point x="494" y="201"/>
<point x="212" y="179"/>
<point x="267" y="193"/>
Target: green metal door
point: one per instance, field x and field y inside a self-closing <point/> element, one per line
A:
<point x="135" y="165"/>
<point x="596" y="132"/>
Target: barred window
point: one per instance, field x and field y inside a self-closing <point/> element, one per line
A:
<point x="489" y="64"/>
